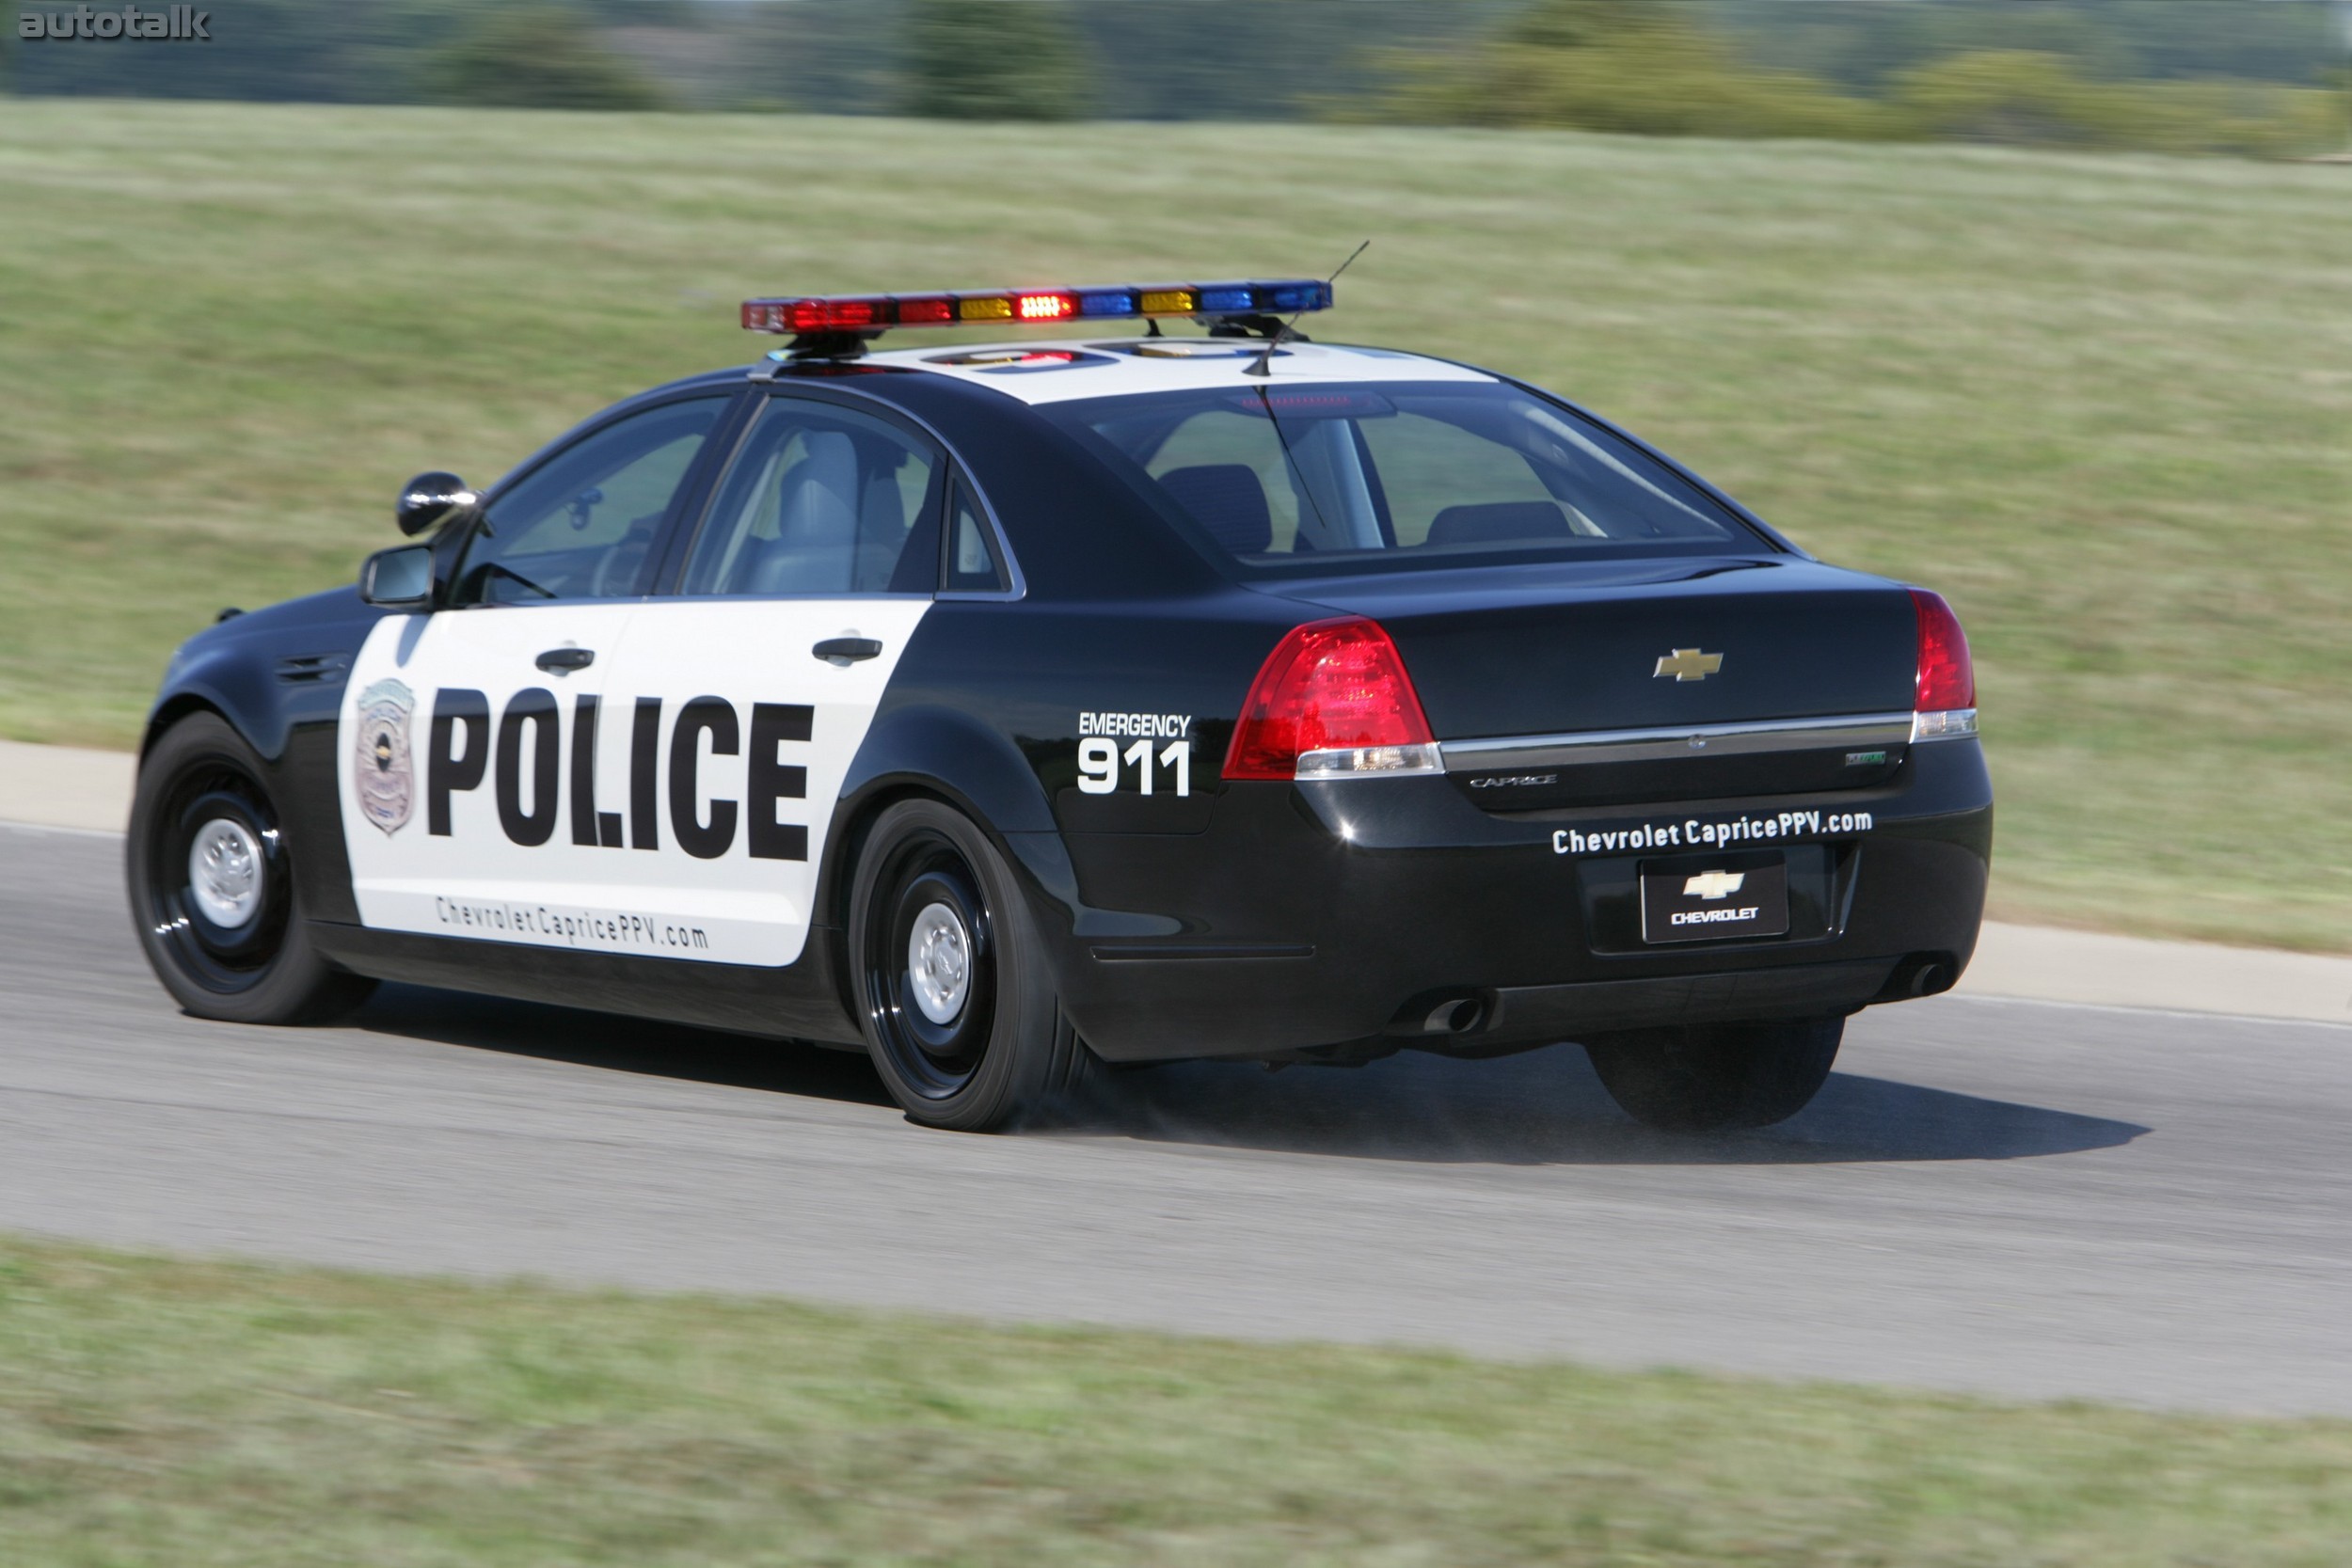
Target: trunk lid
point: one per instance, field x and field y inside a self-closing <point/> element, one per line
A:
<point x="1569" y="652"/>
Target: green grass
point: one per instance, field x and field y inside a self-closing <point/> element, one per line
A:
<point x="2104" y="402"/>
<point x="190" y="1415"/>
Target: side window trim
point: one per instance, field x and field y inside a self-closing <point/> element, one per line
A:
<point x="689" y="497"/>
<point x="668" y="558"/>
<point x="959" y="490"/>
<point x="959" y="471"/>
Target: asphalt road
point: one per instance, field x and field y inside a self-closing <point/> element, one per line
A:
<point x="2000" y="1196"/>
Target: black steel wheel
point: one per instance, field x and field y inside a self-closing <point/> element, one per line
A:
<point x="211" y="887"/>
<point x="1715" y="1077"/>
<point x="952" y="991"/>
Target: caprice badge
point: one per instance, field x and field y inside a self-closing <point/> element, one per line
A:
<point x="1688" y="664"/>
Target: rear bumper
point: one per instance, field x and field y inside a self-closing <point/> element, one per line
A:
<point x="1349" y="913"/>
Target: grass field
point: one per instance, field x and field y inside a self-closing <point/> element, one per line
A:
<point x="200" y="1416"/>
<point x="2104" y="403"/>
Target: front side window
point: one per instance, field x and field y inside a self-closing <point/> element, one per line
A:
<point x="1353" y="477"/>
<point x="582" y="524"/>
<point x="821" y="500"/>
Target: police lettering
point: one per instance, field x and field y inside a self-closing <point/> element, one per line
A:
<point x="531" y="774"/>
<point x="533" y="709"/>
<point x="715" y="717"/>
<point x="451" y="765"/>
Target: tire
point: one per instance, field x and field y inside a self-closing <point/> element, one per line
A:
<point x="1712" y="1078"/>
<point x="950" y="982"/>
<point x="228" y="943"/>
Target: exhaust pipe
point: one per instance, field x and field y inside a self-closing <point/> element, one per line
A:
<point x="1458" y="1015"/>
<point x="1440" y="1013"/>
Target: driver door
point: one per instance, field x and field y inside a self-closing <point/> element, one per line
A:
<point x="487" y="792"/>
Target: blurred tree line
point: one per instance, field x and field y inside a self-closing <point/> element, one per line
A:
<point x="2178" y="75"/>
<point x="1134" y="59"/>
<point x="2092" y="73"/>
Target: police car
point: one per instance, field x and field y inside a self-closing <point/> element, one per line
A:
<point x="1006" y="711"/>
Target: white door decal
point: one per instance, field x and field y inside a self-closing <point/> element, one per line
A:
<point x="668" y="800"/>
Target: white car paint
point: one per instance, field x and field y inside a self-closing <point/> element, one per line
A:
<point x="1125" y="366"/>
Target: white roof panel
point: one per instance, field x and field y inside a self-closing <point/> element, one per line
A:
<point x="1120" y="367"/>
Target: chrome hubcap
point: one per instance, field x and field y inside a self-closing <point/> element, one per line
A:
<point x="225" y="874"/>
<point x="939" y="962"/>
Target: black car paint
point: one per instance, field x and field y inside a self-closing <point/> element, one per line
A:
<point x="1242" y="919"/>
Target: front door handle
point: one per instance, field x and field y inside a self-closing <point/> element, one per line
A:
<point x="562" y="661"/>
<point x="847" y="650"/>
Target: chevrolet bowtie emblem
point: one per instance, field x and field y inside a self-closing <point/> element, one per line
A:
<point x="1714" y="884"/>
<point x="1688" y="664"/>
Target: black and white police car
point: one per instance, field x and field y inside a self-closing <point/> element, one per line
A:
<point x="1116" y="699"/>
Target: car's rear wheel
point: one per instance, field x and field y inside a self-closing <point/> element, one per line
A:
<point x="1712" y="1077"/>
<point x="212" y="886"/>
<point x="953" y="992"/>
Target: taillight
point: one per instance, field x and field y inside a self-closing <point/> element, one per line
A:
<point x="1945" y="700"/>
<point x="1332" y="701"/>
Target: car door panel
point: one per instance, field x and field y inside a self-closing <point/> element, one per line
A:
<point x="486" y="795"/>
<point x="476" y="782"/>
<point x="740" y="739"/>
<point x="756" y="685"/>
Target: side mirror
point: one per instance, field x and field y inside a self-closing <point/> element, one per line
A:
<point x="399" y="579"/>
<point x="431" y="499"/>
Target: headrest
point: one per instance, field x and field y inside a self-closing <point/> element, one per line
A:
<point x="1495" y="521"/>
<point x="1227" y="499"/>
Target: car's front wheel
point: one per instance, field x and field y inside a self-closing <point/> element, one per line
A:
<point x="212" y="886"/>
<point x="1710" y="1078"/>
<point x="953" y="992"/>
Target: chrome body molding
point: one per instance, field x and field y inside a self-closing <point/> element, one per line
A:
<point x="1875" y="731"/>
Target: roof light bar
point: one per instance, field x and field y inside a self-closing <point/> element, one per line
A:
<point x="866" y="314"/>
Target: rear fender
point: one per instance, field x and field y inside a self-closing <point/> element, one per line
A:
<point x="926" y="749"/>
<point x="932" y="751"/>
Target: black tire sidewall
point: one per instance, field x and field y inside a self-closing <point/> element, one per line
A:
<point x="1022" y="1009"/>
<point x="292" y="985"/>
<point x="1721" y="1077"/>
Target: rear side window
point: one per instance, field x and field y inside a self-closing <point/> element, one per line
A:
<point x="973" y="566"/>
<point x="821" y="500"/>
<point x="1341" y="478"/>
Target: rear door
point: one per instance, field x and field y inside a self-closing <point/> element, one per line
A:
<point x="749" y="690"/>
<point x="486" y="793"/>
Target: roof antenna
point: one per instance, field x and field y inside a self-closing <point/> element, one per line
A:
<point x="1265" y="361"/>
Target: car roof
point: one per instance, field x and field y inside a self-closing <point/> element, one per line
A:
<point x="1061" y="370"/>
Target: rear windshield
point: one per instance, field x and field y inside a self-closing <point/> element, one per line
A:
<point x="1356" y="477"/>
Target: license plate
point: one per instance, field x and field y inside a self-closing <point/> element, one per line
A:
<point x="1715" y="898"/>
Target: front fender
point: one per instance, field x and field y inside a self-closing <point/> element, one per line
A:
<point x="278" y="676"/>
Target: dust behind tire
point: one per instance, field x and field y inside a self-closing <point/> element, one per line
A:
<point x="951" y="985"/>
<point x="210" y="873"/>
<point x="1715" y="1077"/>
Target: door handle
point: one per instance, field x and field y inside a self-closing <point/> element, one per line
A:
<point x="562" y="661"/>
<point x="845" y="650"/>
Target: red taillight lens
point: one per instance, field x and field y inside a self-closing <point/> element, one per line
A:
<point x="1947" y="677"/>
<point x="1330" y="685"/>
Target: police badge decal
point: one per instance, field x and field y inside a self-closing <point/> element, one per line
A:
<point x="383" y="770"/>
